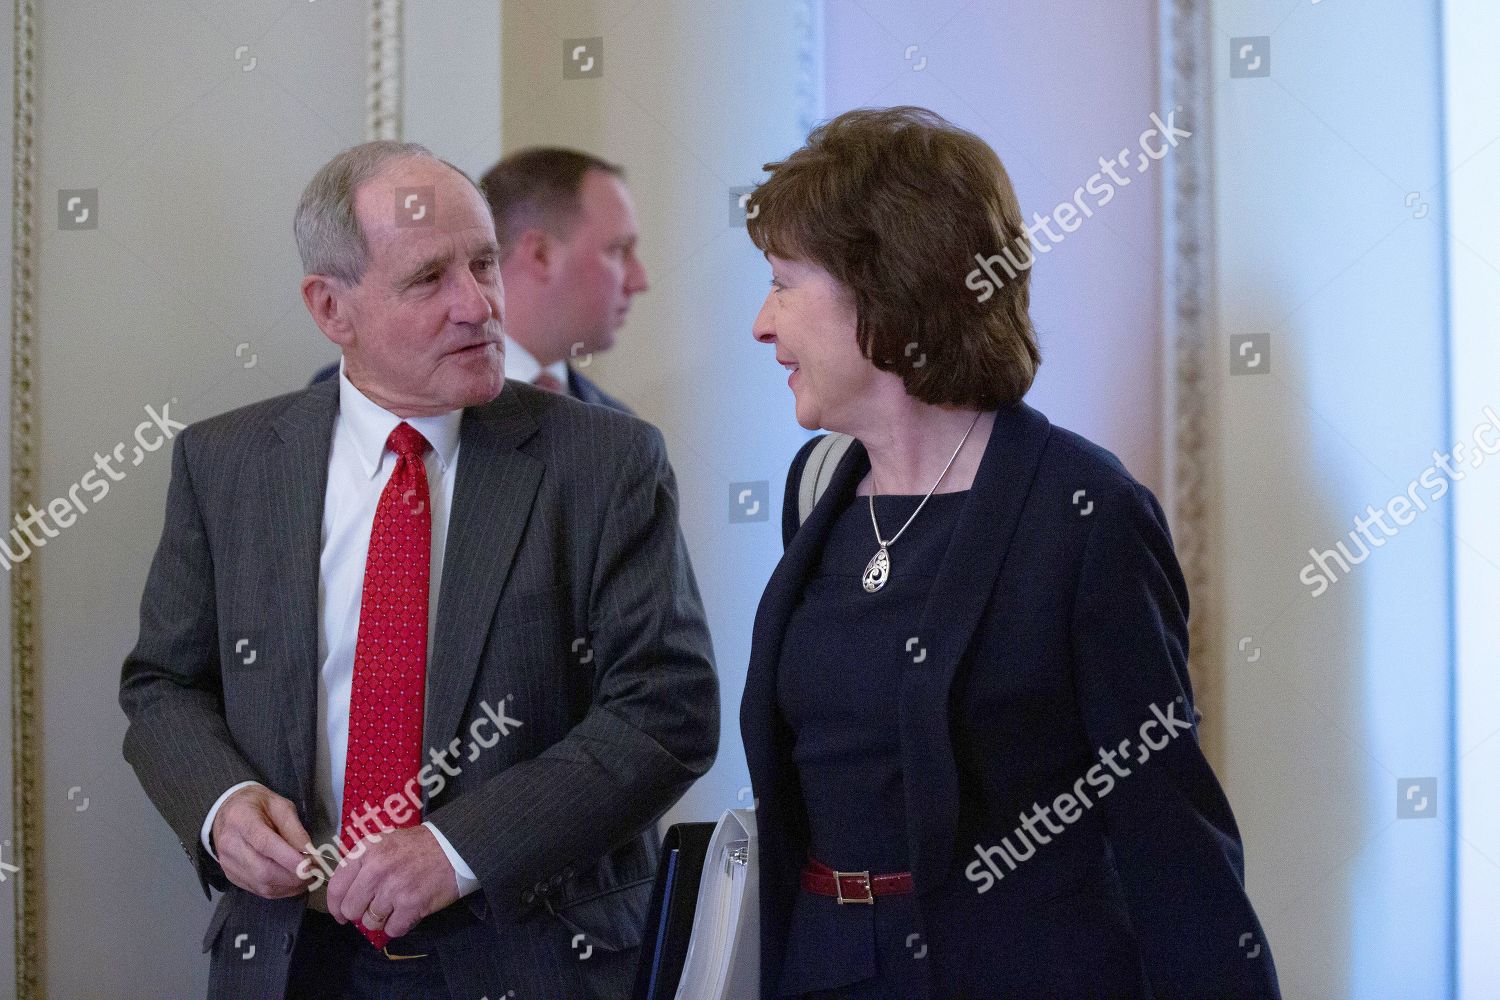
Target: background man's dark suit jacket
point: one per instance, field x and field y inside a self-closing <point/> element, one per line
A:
<point x="566" y="586"/>
<point x="589" y="391"/>
<point x="1051" y="629"/>
<point x="581" y="388"/>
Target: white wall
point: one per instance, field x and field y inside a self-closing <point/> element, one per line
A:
<point x="450" y="85"/>
<point x="1052" y="87"/>
<point x="1473" y="163"/>
<point x="1349" y="692"/>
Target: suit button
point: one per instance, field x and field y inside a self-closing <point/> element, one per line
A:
<point x="528" y="897"/>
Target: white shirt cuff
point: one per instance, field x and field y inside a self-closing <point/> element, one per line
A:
<point x="208" y="823"/>
<point x="467" y="883"/>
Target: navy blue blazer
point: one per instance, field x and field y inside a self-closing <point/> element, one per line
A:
<point x="1053" y="641"/>
<point x="581" y="388"/>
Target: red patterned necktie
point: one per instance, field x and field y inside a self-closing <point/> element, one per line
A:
<point x="550" y="382"/>
<point x="390" y="652"/>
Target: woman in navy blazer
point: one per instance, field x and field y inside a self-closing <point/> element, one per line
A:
<point x="974" y="755"/>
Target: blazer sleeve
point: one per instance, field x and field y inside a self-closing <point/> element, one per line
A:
<point x="652" y="728"/>
<point x="1176" y="846"/>
<point x="177" y="739"/>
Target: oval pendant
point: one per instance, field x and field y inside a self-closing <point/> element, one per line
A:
<point x="878" y="571"/>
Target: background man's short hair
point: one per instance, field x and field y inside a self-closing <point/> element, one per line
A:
<point x="537" y="188"/>
<point x="329" y="238"/>
<point x="895" y="203"/>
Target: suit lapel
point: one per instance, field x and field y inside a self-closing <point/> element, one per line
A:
<point x="492" y="497"/>
<point x="295" y="474"/>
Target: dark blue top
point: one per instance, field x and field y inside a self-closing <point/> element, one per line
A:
<point x="838" y="687"/>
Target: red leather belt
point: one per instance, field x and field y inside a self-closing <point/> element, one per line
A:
<point x="852" y="887"/>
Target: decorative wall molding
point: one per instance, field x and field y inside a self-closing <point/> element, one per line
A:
<point x="1191" y="448"/>
<point x="383" y="83"/>
<point x="26" y="771"/>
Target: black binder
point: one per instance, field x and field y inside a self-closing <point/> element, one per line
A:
<point x="669" y="921"/>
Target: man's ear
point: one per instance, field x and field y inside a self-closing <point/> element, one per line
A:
<point x="322" y="296"/>
<point x="536" y="253"/>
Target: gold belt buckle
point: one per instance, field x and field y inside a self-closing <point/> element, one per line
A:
<point x="838" y="886"/>
<point x="398" y="958"/>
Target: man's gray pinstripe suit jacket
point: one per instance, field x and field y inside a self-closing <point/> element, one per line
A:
<point x="566" y="587"/>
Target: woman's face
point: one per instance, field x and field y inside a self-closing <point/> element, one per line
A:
<point x="810" y="319"/>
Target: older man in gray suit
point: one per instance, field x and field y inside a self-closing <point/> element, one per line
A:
<point x="421" y="657"/>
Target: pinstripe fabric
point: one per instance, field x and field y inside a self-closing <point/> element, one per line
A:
<point x="566" y="597"/>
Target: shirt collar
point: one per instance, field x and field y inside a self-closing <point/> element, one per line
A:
<point x="369" y="425"/>
<point x="522" y="366"/>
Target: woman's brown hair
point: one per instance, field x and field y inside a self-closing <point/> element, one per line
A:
<point x="897" y="204"/>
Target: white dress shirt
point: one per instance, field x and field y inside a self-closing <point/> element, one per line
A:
<point x="359" y="465"/>
<point x="523" y="367"/>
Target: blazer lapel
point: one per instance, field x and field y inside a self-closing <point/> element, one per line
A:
<point x="778" y="599"/>
<point x="960" y="593"/>
<point x="295" y="475"/>
<point x="492" y="497"/>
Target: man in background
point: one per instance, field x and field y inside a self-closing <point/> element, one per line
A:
<point x="566" y="226"/>
<point x="567" y="232"/>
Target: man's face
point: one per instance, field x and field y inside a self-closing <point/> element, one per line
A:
<point x="598" y="272"/>
<point x="423" y="330"/>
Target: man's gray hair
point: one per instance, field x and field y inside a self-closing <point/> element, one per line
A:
<point x="329" y="237"/>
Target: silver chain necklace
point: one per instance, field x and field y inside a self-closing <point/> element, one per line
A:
<point x="879" y="569"/>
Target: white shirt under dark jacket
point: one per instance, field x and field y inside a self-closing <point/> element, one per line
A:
<point x="522" y="366"/>
<point x="359" y="466"/>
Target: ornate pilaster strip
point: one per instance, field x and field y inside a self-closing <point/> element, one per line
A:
<point x="1188" y="298"/>
<point x="383" y="83"/>
<point x="26" y="805"/>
